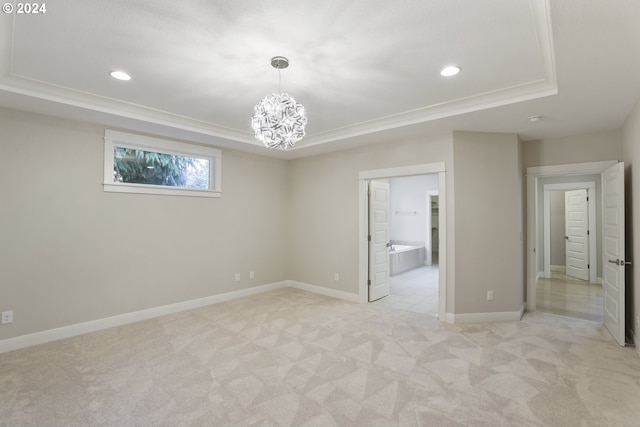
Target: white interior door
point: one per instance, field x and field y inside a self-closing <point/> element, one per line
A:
<point x="378" y="239"/>
<point x="613" y="263"/>
<point x="576" y="226"/>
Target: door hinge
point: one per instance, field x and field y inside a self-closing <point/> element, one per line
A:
<point x="587" y="232"/>
<point x="587" y="198"/>
<point x="369" y="282"/>
<point x="588" y="266"/>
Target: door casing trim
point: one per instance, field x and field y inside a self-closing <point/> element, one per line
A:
<point x="363" y="230"/>
<point x="533" y="176"/>
<point x="593" y="229"/>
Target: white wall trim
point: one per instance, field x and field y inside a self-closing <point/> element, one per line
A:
<point x="29" y="340"/>
<point x="568" y="186"/>
<point x="504" y="316"/>
<point x="589" y="168"/>
<point x="324" y="291"/>
<point x="636" y="343"/>
<point x="546" y="226"/>
<point x="42" y="337"/>
<point x="69" y="331"/>
<point x="424" y="169"/>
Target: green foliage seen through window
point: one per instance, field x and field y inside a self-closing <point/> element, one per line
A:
<point x="147" y="167"/>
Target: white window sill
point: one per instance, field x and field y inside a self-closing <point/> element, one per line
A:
<point x="167" y="191"/>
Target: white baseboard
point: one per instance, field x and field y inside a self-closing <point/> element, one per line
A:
<point x="42" y="337"/>
<point x="324" y="291"/>
<point x="50" y="335"/>
<point x="558" y="268"/>
<point x="503" y="316"/>
<point x="636" y="342"/>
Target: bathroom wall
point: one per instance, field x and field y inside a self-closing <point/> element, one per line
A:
<point x="408" y="208"/>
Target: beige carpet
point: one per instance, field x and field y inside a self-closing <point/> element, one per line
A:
<point x="290" y="358"/>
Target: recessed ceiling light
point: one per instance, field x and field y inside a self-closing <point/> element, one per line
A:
<point x="535" y="118"/>
<point x="120" y="75"/>
<point x="449" y="71"/>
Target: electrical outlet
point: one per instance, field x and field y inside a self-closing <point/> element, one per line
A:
<point x="237" y="277"/>
<point x="336" y="277"/>
<point x="252" y="275"/>
<point x="489" y="295"/>
<point x="7" y="317"/>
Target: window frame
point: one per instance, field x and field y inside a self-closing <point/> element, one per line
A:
<point x="114" y="139"/>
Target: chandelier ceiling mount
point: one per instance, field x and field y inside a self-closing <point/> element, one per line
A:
<point x="279" y="62"/>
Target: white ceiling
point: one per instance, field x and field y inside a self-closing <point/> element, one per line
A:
<point x="366" y="70"/>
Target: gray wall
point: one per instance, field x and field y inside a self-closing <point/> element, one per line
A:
<point x="488" y="222"/>
<point x="71" y="253"/>
<point x="557" y="253"/>
<point x="631" y="157"/>
<point x="573" y="149"/>
<point x="484" y="215"/>
<point x="324" y="210"/>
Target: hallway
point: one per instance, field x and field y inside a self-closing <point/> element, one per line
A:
<point x="568" y="296"/>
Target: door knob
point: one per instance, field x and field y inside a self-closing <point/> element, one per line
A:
<point x="619" y="262"/>
<point x="566" y="237"/>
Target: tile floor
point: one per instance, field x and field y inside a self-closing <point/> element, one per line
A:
<point x="568" y="296"/>
<point x="417" y="291"/>
<point x="414" y="290"/>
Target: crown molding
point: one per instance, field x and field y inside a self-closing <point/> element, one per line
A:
<point x="546" y="86"/>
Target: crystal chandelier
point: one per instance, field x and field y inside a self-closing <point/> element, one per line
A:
<point x="278" y="120"/>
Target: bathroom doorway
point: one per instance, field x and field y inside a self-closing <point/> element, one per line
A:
<point x="409" y="236"/>
<point x="415" y="277"/>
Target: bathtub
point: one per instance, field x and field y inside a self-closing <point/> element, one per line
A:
<point x="404" y="258"/>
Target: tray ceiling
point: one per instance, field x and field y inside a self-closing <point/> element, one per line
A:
<point x="359" y="68"/>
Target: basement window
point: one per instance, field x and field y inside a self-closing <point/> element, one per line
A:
<point x="141" y="164"/>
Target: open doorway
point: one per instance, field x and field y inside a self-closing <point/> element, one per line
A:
<point x="568" y="283"/>
<point x="413" y="244"/>
<point x="401" y="275"/>
<point x="611" y="252"/>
